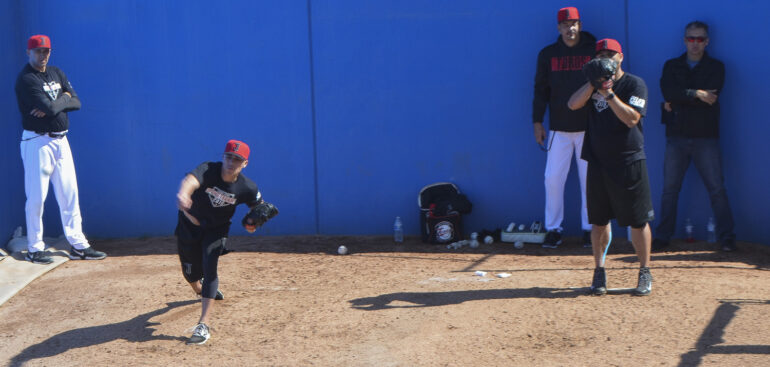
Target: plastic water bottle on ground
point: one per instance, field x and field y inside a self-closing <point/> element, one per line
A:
<point x="688" y="230"/>
<point x="711" y="234"/>
<point x="398" y="231"/>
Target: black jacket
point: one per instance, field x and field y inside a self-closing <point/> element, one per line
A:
<point x="691" y="117"/>
<point x="559" y="74"/>
<point x="45" y="91"/>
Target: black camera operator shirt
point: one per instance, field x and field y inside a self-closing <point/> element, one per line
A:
<point x="608" y="141"/>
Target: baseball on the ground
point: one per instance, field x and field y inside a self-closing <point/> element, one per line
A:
<point x="342" y="250"/>
<point x="518" y="244"/>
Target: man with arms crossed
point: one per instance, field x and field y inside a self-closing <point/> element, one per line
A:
<point x="691" y="84"/>
<point x="45" y="96"/>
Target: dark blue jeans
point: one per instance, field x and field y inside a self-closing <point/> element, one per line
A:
<point x="706" y="156"/>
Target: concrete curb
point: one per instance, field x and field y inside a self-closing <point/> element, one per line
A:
<point x="16" y="272"/>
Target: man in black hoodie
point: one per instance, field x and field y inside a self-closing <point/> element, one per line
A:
<point x="691" y="84"/>
<point x="559" y="74"/>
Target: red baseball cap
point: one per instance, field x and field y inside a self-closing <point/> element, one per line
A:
<point x="38" y="41"/>
<point x="569" y="13"/>
<point x="608" y="44"/>
<point x="238" y="148"/>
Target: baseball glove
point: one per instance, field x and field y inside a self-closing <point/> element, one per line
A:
<point x="258" y="215"/>
<point x="600" y="71"/>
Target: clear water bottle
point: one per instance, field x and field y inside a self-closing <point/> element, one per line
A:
<point x="398" y="231"/>
<point x="711" y="231"/>
<point x="688" y="230"/>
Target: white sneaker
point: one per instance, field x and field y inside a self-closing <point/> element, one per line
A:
<point x="200" y="334"/>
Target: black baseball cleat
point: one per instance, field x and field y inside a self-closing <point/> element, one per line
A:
<point x="200" y="335"/>
<point x="644" y="287"/>
<point x="659" y="245"/>
<point x="587" y="239"/>
<point x="87" y="253"/>
<point x="38" y="257"/>
<point x="729" y="245"/>
<point x="552" y="239"/>
<point x="218" y="297"/>
<point x="599" y="284"/>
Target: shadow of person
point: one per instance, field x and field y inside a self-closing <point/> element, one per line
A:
<point x="713" y="338"/>
<point x="432" y="299"/>
<point x="137" y="330"/>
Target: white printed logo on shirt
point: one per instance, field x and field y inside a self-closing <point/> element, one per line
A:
<point x="599" y="102"/>
<point x="637" y="102"/>
<point x="52" y="89"/>
<point x="219" y="197"/>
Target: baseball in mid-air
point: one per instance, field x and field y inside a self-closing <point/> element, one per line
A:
<point x="342" y="250"/>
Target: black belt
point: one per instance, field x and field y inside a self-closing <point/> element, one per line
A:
<point x="52" y="134"/>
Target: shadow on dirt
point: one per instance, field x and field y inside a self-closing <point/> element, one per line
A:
<point x="433" y="299"/>
<point x="137" y="330"/>
<point x="714" y="334"/>
<point x="755" y="255"/>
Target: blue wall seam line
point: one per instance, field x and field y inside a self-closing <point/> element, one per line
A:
<point x="313" y="118"/>
<point x="628" y="38"/>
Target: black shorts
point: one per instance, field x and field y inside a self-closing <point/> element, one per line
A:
<point x="622" y="194"/>
<point x="199" y="250"/>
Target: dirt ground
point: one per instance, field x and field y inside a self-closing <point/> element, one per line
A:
<point x="292" y="301"/>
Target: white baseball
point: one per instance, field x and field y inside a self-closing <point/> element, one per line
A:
<point x="518" y="245"/>
<point x="342" y="250"/>
<point x="488" y="240"/>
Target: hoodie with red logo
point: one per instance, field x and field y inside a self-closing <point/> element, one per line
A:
<point x="559" y="74"/>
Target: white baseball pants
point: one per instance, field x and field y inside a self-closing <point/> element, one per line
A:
<point x="47" y="160"/>
<point x="562" y="145"/>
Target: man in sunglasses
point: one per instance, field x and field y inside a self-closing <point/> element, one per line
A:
<point x="691" y="84"/>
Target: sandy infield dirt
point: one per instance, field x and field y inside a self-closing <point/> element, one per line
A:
<point x="292" y="301"/>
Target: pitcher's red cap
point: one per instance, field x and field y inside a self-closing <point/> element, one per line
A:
<point x="569" y="13"/>
<point x="608" y="44"/>
<point x="38" y="41"/>
<point x="238" y="148"/>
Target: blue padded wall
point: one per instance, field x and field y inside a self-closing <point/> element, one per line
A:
<point x="12" y="40"/>
<point x="164" y="84"/>
<point x="410" y="93"/>
<point x="351" y="107"/>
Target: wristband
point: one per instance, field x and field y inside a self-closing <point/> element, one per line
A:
<point x="609" y="96"/>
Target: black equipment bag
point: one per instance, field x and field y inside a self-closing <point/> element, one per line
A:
<point x="441" y="209"/>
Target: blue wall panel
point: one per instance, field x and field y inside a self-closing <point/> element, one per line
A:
<point x="409" y="93"/>
<point x="164" y="85"/>
<point x="11" y="62"/>
<point x="377" y="98"/>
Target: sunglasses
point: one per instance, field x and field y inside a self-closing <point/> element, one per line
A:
<point x="696" y="39"/>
